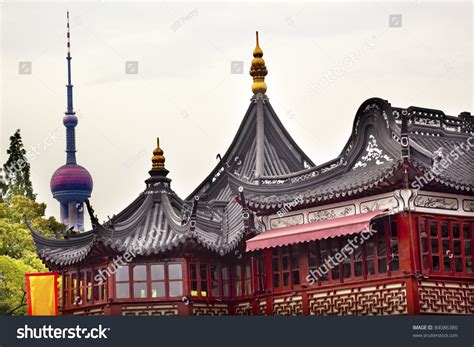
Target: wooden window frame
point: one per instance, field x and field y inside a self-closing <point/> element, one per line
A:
<point x="168" y="280"/>
<point x="279" y="256"/>
<point x="101" y="288"/>
<point x="259" y="266"/>
<point x="227" y="281"/>
<point x="163" y="281"/>
<point x="199" y="281"/>
<point x="149" y="282"/>
<point x="129" y="281"/>
<point x="441" y="253"/>
<point x="146" y="281"/>
<point x="243" y="278"/>
<point x="75" y="284"/>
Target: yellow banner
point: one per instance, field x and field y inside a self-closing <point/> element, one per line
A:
<point x="42" y="294"/>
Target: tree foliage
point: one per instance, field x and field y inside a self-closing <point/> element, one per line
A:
<point x="17" y="169"/>
<point x="12" y="285"/>
<point x="17" y="249"/>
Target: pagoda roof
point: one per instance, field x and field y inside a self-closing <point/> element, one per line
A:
<point x="281" y="154"/>
<point x="155" y="222"/>
<point x="372" y="160"/>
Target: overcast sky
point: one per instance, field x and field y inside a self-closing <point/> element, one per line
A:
<point x="323" y="60"/>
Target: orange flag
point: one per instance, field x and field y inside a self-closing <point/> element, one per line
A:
<point x="42" y="294"/>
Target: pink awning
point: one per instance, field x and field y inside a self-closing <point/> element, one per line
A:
<point x="326" y="229"/>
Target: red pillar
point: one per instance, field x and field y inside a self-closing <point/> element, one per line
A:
<point x="269" y="284"/>
<point x="408" y="252"/>
<point x="304" y="271"/>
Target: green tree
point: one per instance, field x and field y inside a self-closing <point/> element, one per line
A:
<point x="12" y="288"/>
<point x="17" y="169"/>
<point x="17" y="250"/>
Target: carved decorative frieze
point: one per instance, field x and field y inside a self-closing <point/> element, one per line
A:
<point x="379" y="204"/>
<point x="436" y="202"/>
<point x="340" y="162"/>
<point x="287" y="221"/>
<point x="272" y="181"/>
<point x="427" y="121"/>
<point x="331" y="213"/>
<point x="305" y="176"/>
<point x="468" y="205"/>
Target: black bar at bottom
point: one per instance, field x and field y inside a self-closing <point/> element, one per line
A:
<point x="427" y="331"/>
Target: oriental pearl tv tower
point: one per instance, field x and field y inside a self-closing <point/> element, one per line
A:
<point x="71" y="184"/>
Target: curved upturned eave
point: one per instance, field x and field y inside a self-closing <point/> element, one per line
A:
<point x="258" y="198"/>
<point x="61" y="252"/>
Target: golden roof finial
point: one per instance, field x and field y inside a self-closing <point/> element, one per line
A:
<point x="258" y="70"/>
<point x="158" y="159"/>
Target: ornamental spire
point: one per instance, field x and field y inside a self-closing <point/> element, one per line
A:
<point x="158" y="159"/>
<point x="69" y="85"/>
<point x="70" y="119"/>
<point x="258" y="70"/>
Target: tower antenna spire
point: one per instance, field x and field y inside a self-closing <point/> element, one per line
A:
<point x="70" y="109"/>
<point x="71" y="183"/>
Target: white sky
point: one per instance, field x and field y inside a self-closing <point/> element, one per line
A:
<point x="184" y="91"/>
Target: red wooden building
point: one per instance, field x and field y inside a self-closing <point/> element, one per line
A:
<point x="386" y="228"/>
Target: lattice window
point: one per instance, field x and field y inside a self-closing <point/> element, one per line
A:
<point x="209" y="280"/>
<point x="122" y="282"/>
<point x="285" y="267"/>
<point x="145" y="281"/>
<point x="100" y="277"/>
<point x="175" y="279"/>
<point x="243" y="279"/>
<point x="84" y="287"/>
<point x="157" y="272"/>
<point x="446" y="245"/>
<point x="140" y="275"/>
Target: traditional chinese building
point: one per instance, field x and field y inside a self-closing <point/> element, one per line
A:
<point x="386" y="228"/>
